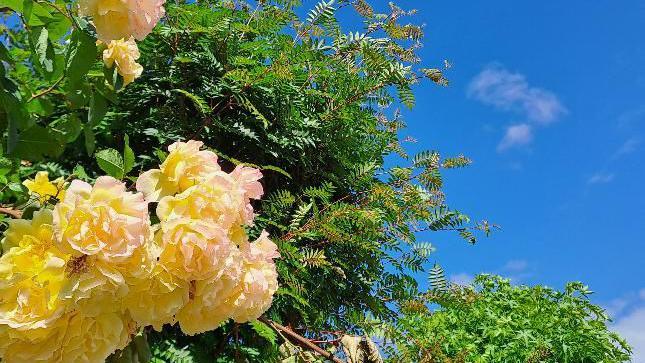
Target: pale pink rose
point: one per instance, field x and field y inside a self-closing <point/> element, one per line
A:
<point x="259" y="280"/>
<point x="105" y="221"/>
<point x="193" y="249"/>
<point x="248" y="179"/>
<point x="117" y="19"/>
<point x="124" y="55"/>
<point x="185" y="166"/>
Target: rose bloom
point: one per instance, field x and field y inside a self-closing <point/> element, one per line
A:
<point x="259" y="280"/>
<point x="186" y="165"/>
<point x="39" y="231"/>
<point x="32" y="273"/>
<point x="93" y="339"/>
<point x="44" y="189"/>
<point x="34" y="345"/>
<point x="31" y="277"/>
<point x="123" y="53"/>
<point x="104" y="221"/>
<point x="116" y="19"/>
<point x="209" y="304"/>
<point x="193" y="249"/>
<point x="217" y="200"/>
<point x="96" y="287"/>
<point x="156" y="299"/>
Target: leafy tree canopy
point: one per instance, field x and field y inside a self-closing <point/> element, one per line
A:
<point x="495" y="321"/>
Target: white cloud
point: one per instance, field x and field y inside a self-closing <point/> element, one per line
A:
<point x="632" y="328"/>
<point x="516" y="135"/>
<point x="628" y="147"/>
<point x="462" y="279"/>
<point x="510" y="91"/>
<point x="601" y="178"/>
<point x="516" y="265"/>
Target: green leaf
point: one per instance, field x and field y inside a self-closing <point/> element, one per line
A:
<point x="80" y="172"/>
<point x="33" y="13"/>
<point x="37" y="142"/>
<point x="90" y="141"/>
<point x="70" y="126"/>
<point x="98" y="109"/>
<point x="4" y="54"/>
<point x="276" y="169"/>
<point x="264" y="331"/>
<point x="128" y="156"/>
<point x="111" y="162"/>
<point x="16" y="187"/>
<point x="44" y="51"/>
<point x="200" y="103"/>
<point x="81" y="55"/>
<point x="5" y="165"/>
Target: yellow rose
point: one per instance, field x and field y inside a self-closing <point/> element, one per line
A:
<point x="209" y="304"/>
<point x="123" y="53"/>
<point x="104" y="221"/>
<point x="95" y="287"/>
<point x="30" y="281"/>
<point x="194" y="249"/>
<point x="34" y="345"/>
<point x="157" y="299"/>
<point x="217" y="200"/>
<point x="93" y="339"/>
<point x="186" y="165"/>
<point x="36" y="232"/>
<point x="45" y="190"/>
<point x="116" y="19"/>
<point x="31" y="274"/>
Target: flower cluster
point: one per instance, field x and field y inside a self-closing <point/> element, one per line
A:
<point x="118" y="23"/>
<point x="77" y="281"/>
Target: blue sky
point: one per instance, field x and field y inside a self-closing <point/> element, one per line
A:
<point x="548" y="100"/>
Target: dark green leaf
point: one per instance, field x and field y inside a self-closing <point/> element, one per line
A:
<point x="81" y="55"/>
<point x="37" y="142"/>
<point x="98" y="108"/>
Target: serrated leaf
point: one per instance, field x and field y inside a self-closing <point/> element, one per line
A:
<point x="111" y="162"/>
<point x="128" y="155"/>
<point x="70" y="126"/>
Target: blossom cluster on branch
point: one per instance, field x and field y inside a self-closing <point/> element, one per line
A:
<point x="79" y="280"/>
<point x="118" y="23"/>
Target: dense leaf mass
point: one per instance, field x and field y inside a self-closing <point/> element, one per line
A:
<point x="494" y="321"/>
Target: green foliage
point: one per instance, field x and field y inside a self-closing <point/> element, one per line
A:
<point x="494" y="321"/>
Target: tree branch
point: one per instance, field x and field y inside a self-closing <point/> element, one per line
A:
<point x="11" y="212"/>
<point x="300" y="340"/>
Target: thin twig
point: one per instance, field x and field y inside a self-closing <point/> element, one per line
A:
<point x="46" y="91"/>
<point x="65" y="14"/>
